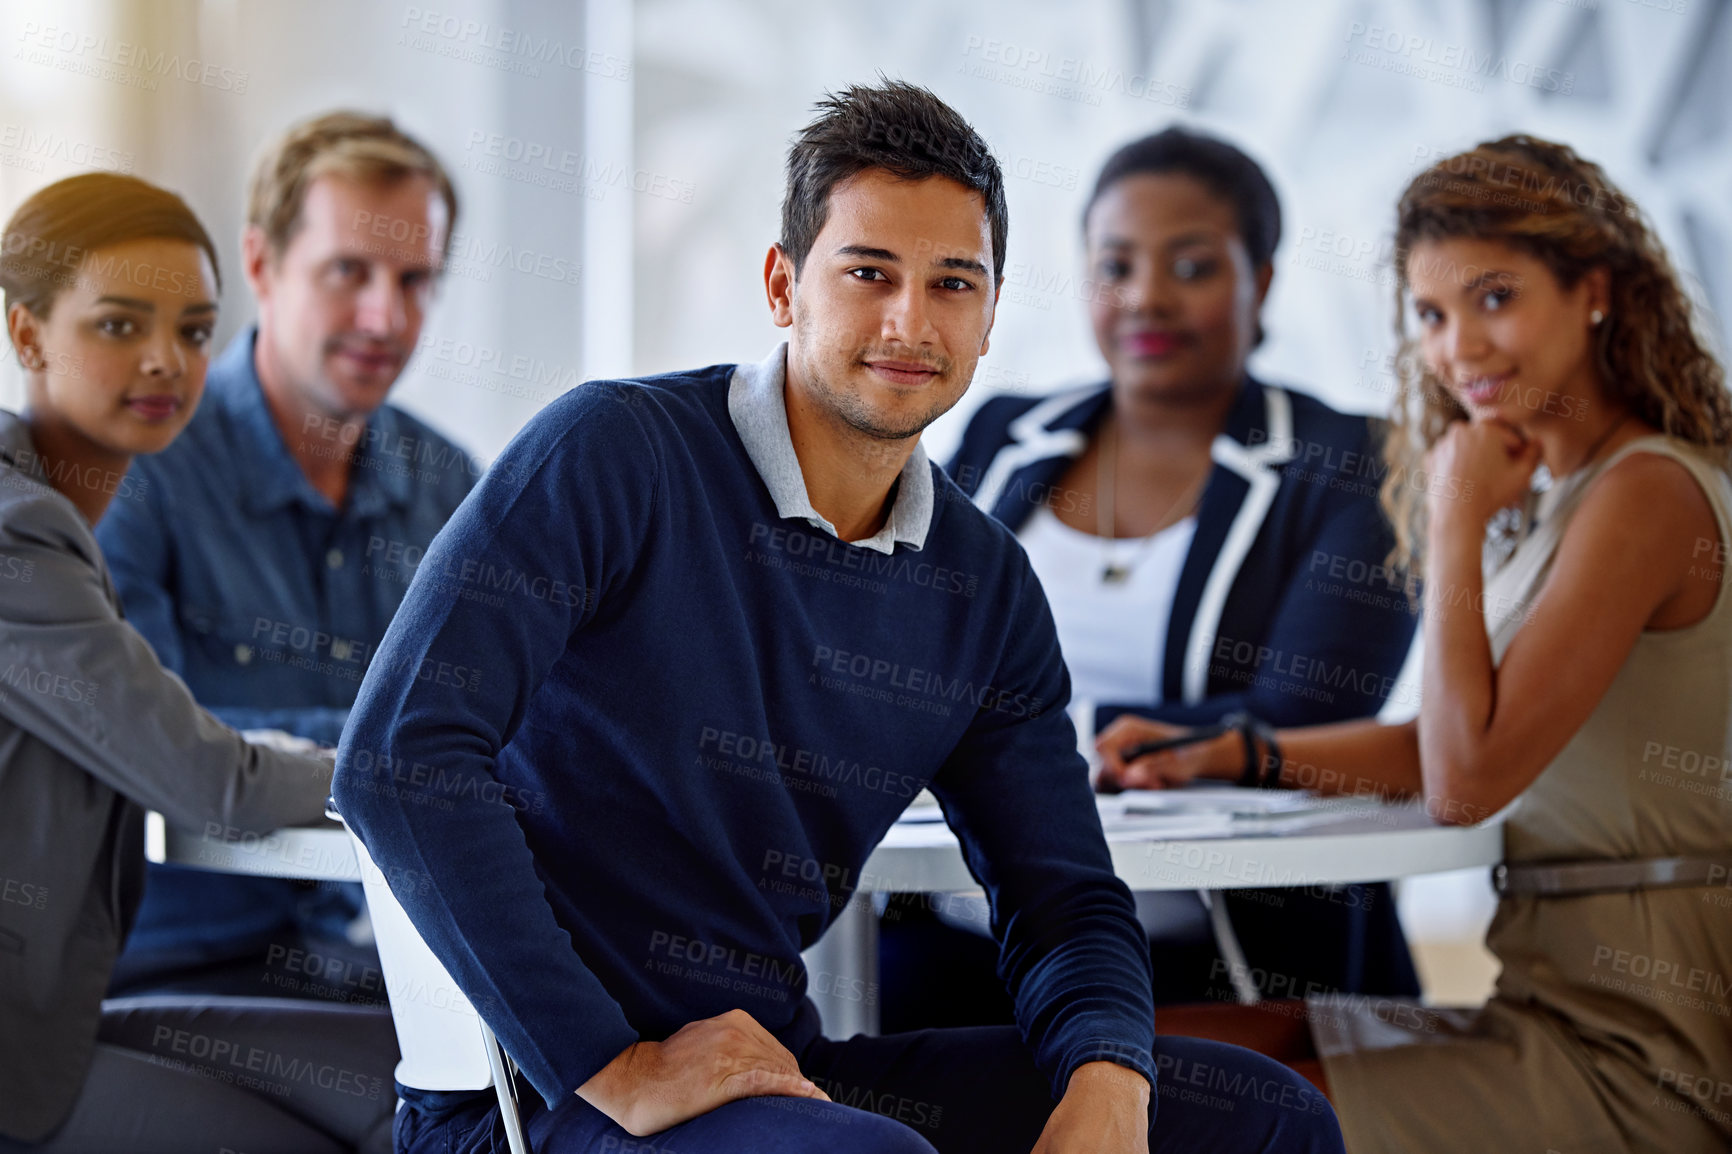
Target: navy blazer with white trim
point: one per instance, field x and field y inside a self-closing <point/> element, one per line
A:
<point x="1284" y="606"/>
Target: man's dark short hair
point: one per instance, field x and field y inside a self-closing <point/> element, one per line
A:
<point x="900" y="128"/>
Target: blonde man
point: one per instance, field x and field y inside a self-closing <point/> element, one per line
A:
<point x="267" y="551"/>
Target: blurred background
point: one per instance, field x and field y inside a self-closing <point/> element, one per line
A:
<point x="620" y="167"/>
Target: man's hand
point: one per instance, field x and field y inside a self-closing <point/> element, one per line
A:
<point x="653" y="1085"/>
<point x="1105" y="1110"/>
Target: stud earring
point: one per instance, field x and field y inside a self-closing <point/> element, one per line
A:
<point x="1595" y="317"/>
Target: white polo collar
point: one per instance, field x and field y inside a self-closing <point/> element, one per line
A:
<point x="760" y="416"/>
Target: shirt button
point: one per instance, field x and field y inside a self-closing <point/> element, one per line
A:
<point x="243" y="653"/>
<point x="334" y="558"/>
<point x="339" y="649"/>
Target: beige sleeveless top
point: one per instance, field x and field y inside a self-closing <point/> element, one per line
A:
<point x="1643" y="977"/>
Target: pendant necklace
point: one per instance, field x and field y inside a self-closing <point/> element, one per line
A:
<point x="1116" y="569"/>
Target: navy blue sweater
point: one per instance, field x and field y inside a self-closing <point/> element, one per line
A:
<point x="674" y="726"/>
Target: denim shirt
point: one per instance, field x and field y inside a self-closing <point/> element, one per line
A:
<point x="262" y="595"/>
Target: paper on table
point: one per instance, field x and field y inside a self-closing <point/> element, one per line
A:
<point x="1222" y="812"/>
<point x="1168" y="814"/>
<point x="1208" y="799"/>
<point x="1170" y="826"/>
<point x="925" y="827"/>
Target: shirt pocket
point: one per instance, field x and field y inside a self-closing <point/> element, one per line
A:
<point x="224" y="640"/>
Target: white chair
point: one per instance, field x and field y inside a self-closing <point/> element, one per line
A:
<point x="444" y="1042"/>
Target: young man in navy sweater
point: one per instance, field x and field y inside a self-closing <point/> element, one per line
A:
<point x="733" y="617"/>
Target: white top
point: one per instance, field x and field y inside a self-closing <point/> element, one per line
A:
<point x="1113" y="634"/>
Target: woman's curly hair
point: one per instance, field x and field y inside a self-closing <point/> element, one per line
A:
<point x="1542" y="199"/>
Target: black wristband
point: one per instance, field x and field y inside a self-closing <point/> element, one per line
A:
<point x="1245" y="724"/>
<point x="1259" y="772"/>
<point x="1271" y="760"/>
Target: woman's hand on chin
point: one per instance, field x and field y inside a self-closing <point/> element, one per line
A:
<point x="1478" y="467"/>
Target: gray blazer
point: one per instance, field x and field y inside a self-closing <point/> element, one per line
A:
<point x="93" y="731"/>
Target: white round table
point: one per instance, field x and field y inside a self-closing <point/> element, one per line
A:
<point x="1353" y="840"/>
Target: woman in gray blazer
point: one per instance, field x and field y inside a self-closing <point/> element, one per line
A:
<point x="110" y="294"/>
